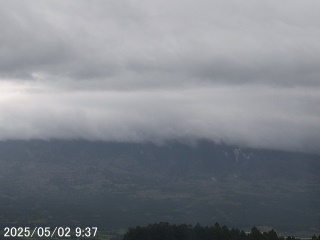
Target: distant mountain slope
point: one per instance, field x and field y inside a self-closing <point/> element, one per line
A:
<point x="124" y="184"/>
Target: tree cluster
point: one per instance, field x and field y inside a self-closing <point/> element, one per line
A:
<point x="166" y="231"/>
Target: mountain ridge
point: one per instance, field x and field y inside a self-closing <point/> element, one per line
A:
<point x="125" y="184"/>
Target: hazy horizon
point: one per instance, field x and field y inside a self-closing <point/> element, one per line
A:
<point x="240" y="72"/>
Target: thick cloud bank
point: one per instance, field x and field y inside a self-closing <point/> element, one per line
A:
<point x="242" y="72"/>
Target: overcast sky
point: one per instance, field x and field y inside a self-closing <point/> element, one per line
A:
<point x="245" y="72"/>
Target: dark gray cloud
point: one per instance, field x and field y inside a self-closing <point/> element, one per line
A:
<point x="244" y="72"/>
<point x="227" y="42"/>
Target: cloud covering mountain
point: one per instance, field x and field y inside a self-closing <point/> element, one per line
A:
<point x="242" y="72"/>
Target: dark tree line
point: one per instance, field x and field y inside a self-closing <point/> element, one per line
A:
<point x="166" y="231"/>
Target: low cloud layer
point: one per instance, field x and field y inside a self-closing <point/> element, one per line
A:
<point x="242" y="72"/>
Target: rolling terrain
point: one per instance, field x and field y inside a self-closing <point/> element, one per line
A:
<point x="117" y="185"/>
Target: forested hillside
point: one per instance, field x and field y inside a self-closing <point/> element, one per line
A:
<point x="168" y="231"/>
